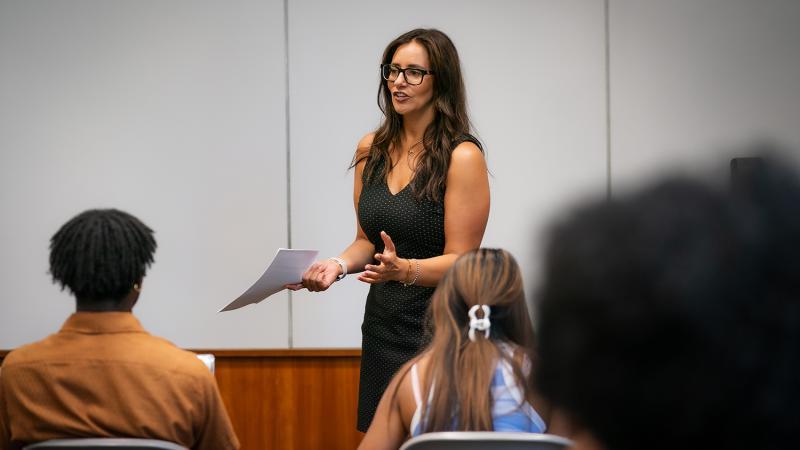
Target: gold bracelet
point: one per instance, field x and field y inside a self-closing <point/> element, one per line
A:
<point x="416" y="273"/>
<point x="408" y="273"/>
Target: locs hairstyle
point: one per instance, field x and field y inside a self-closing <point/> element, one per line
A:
<point x="450" y="125"/>
<point x="100" y="254"/>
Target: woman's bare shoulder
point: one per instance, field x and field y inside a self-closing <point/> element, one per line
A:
<point x="467" y="161"/>
<point x="366" y="140"/>
<point x="405" y="391"/>
<point x="467" y="152"/>
<point x="404" y="373"/>
<point x="364" y="145"/>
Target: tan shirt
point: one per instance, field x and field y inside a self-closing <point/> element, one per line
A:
<point x="103" y="375"/>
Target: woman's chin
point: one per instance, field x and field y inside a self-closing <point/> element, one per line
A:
<point x="401" y="108"/>
<point x="406" y="111"/>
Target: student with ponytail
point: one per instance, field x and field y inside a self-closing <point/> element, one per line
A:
<point x="476" y="374"/>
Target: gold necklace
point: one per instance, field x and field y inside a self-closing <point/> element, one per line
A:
<point x="411" y="149"/>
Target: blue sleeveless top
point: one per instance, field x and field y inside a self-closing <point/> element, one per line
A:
<point x="510" y="411"/>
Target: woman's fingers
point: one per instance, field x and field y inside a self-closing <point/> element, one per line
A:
<point x="387" y="263"/>
<point x="325" y="277"/>
<point x="317" y="283"/>
<point x="319" y="276"/>
<point x="387" y="242"/>
<point x="310" y="275"/>
<point x="370" y="277"/>
<point x="375" y="274"/>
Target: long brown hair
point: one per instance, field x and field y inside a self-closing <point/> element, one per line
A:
<point x="450" y="125"/>
<point x="460" y="370"/>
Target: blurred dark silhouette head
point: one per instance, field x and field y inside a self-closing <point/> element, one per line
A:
<point x="670" y="317"/>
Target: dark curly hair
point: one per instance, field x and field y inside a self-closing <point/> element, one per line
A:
<point x="671" y="317"/>
<point x="100" y="254"/>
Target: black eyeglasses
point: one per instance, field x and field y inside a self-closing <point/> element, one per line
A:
<point x="413" y="75"/>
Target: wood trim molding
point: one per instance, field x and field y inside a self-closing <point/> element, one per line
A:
<point x="271" y="353"/>
<point x="283" y="352"/>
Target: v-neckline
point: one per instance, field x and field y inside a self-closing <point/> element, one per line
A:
<point x="395" y="194"/>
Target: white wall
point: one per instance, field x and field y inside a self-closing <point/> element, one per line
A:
<point x="534" y="76"/>
<point x="177" y="112"/>
<point x="690" y="80"/>
<point x="167" y="110"/>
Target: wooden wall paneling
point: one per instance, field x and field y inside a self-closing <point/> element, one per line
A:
<point x="291" y="399"/>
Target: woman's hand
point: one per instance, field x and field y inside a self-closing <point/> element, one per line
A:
<point x="319" y="276"/>
<point x="390" y="267"/>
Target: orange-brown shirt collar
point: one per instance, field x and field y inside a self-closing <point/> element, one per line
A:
<point x="102" y="323"/>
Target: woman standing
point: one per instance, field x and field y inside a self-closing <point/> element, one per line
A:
<point x="421" y="194"/>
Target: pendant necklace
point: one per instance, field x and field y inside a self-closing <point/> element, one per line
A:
<point x="411" y="150"/>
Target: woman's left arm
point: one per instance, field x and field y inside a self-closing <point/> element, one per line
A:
<point x="466" y="211"/>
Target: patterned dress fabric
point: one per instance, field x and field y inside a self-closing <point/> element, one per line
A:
<point x="392" y="331"/>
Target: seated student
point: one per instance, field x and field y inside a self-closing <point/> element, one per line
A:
<point x="670" y="317"/>
<point x="476" y="373"/>
<point x="102" y="374"/>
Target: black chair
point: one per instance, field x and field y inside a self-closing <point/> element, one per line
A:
<point x="482" y="440"/>
<point x="105" y="444"/>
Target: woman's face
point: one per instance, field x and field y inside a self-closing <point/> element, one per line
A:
<point x="408" y="98"/>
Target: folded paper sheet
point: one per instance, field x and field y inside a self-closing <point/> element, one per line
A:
<point x="287" y="267"/>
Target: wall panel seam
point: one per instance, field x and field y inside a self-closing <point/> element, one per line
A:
<point x="290" y="333"/>
<point x="606" y="16"/>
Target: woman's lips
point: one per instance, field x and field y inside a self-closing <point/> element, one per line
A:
<point x="400" y="96"/>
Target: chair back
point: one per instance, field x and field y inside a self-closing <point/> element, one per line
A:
<point x="481" y="440"/>
<point x="105" y="444"/>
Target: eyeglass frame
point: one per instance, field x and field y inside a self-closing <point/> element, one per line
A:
<point x="403" y="71"/>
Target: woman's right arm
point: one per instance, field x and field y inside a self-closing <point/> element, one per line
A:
<point x="320" y="275"/>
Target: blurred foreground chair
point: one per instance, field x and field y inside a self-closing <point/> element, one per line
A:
<point x="105" y="444"/>
<point x="481" y="440"/>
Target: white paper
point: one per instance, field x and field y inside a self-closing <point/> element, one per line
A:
<point x="208" y="359"/>
<point x="287" y="267"/>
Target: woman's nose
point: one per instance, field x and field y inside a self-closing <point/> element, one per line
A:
<point x="397" y="80"/>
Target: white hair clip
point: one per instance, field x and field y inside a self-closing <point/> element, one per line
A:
<point x="482" y="324"/>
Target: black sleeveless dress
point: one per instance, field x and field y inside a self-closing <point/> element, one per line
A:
<point x="393" y="330"/>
